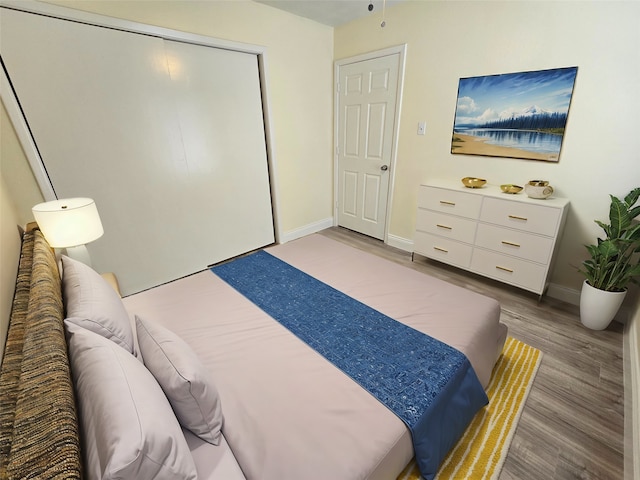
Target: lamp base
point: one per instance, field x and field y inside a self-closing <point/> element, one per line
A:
<point x="79" y="253"/>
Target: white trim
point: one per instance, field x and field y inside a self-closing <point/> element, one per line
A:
<point x="263" y="69"/>
<point x="127" y="25"/>
<point x="22" y="129"/>
<point x="402" y="51"/>
<point x="565" y="294"/>
<point x="371" y="55"/>
<point x="306" y="230"/>
<point x="399" y="242"/>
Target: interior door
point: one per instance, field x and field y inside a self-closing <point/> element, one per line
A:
<point x="367" y="107"/>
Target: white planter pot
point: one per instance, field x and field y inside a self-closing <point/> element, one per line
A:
<point x="598" y="307"/>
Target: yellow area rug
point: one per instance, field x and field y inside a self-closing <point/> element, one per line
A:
<point x="483" y="448"/>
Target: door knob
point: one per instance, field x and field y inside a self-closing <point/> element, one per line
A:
<point x="384" y="168"/>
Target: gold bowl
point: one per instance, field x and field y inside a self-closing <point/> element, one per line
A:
<point x="510" y="188"/>
<point x="538" y="183"/>
<point x="473" y="182"/>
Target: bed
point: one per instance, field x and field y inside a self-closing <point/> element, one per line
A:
<point x="287" y="411"/>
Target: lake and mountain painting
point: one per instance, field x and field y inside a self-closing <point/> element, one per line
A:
<point x="515" y="115"/>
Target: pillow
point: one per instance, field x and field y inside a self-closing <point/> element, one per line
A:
<point x="93" y="304"/>
<point x="183" y="378"/>
<point x="128" y="427"/>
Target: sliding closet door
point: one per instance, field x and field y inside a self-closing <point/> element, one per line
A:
<point x="218" y="100"/>
<point x="166" y="137"/>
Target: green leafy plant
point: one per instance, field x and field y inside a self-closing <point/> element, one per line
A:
<point x="615" y="260"/>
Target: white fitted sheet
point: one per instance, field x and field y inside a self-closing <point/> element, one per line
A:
<point x="289" y="413"/>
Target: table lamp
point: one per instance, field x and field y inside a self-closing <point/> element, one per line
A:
<point x="70" y="223"/>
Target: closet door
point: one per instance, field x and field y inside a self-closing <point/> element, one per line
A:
<point x="219" y="108"/>
<point x="166" y="137"/>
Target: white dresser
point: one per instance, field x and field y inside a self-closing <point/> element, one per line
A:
<point x="510" y="238"/>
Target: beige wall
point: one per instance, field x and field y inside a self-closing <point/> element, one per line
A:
<point x="9" y="255"/>
<point x="20" y="183"/>
<point x="449" y="40"/>
<point x="300" y="69"/>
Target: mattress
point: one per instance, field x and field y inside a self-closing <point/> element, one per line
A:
<point x="289" y="413"/>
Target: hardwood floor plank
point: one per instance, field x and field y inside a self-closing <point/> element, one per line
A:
<point x="573" y="423"/>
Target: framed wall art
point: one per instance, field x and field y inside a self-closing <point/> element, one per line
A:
<point x="515" y="115"/>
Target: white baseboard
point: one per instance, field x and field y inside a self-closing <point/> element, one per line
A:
<point x="400" y="242"/>
<point x="306" y="230"/>
<point x="565" y="294"/>
<point x="392" y="240"/>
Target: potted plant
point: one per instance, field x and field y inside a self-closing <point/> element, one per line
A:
<point x="614" y="263"/>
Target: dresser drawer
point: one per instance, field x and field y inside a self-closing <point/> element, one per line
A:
<point x="509" y="238"/>
<point x="443" y="249"/>
<point x="521" y="273"/>
<point x="522" y="216"/>
<point x="449" y="201"/>
<point x="514" y="242"/>
<point x="448" y="226"/>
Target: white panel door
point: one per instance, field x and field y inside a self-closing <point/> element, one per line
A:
<point x="367" y="108"/>
<point x="133" y="121"/>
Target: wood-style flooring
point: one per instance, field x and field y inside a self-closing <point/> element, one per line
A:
<point x="572" y="425"/>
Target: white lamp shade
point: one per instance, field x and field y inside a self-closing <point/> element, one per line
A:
<point x="68" y="222"/>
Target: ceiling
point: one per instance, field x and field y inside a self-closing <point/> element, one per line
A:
<point x="329" y="12"/>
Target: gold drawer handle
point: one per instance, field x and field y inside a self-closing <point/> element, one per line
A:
<point x="444" y="226"/>
<point x="441" y="249"/>
<point x="510" y="244"/>
<point x="516" y="217"/>
<point x="444" y="202"/>
<point x="504" y="269"/>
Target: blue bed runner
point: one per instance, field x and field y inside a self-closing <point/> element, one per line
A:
<point x="431" y="386"/>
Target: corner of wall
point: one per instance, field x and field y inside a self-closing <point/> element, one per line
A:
<point x="9" y="258"/>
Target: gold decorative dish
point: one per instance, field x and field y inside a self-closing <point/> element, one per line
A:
<point x="510" y="188"/>
<point x="473" y="182"/>
<point x="538" y="183"/>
